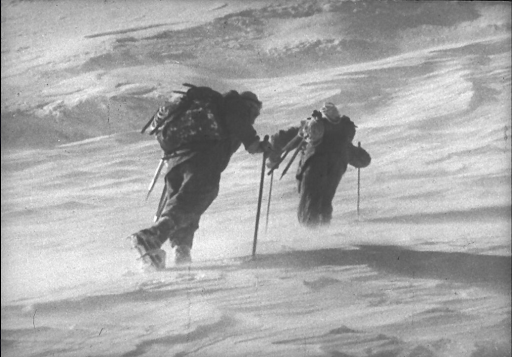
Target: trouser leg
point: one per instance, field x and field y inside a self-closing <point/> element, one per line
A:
<point x="310" y="202"/>
<point x="335" y="171"/>
<point x="194" y="186"/>
<point x="318" y="185"/>
<point x="159" y="232"/>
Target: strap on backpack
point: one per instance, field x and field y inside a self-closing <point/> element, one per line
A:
<point x="146" y="126"/>
<point x="190" y="95"/>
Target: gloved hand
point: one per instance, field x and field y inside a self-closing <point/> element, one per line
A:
<point x="266" y="147"/>
<point x="272" y="164"/>
<point x="259" y="147"/>
<point x="316" y="114"/>
<point x="273" y="159"/>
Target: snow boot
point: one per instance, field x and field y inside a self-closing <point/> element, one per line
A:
<point x="182" y="255"/>
<point x="150" y="252"/>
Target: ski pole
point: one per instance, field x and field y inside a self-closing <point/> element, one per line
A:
<point x="155" y="177"/>
<point x="293" y="158"/>
<point x="259" y="201"/>
<point x="269" y="198"/>
<point x="358" y="183"/>
<point x="286" y="150"/>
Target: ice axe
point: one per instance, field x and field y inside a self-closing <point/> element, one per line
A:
<point x="262" y="178"/>
<point x="155" y="177"/>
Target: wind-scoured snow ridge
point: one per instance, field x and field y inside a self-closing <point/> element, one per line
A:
<point x="264" y="40"/>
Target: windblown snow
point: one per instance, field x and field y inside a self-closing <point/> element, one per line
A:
<point x="423" y="271"/>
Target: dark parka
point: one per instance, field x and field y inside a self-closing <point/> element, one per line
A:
<point x="321" y="166"/>
<point x="194" y="172"/>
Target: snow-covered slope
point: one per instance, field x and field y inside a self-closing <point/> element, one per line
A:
<point x="424" y="270"/>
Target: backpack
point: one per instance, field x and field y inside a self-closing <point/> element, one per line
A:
<point x="194" y="117"/>
<point x="312" y="130"/>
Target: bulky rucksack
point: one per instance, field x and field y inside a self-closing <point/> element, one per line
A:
<point x="194" y="117"/>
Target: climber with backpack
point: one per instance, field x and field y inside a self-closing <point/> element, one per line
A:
<point x="325" y="143"/>
<point x="198" y="131"/>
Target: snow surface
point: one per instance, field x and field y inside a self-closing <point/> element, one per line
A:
<point x="423" y="271"/>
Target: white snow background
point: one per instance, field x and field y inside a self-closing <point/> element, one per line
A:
<point x="423" y="271"/>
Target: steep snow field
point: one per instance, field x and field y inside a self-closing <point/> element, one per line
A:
<point x="423" y="271"/>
